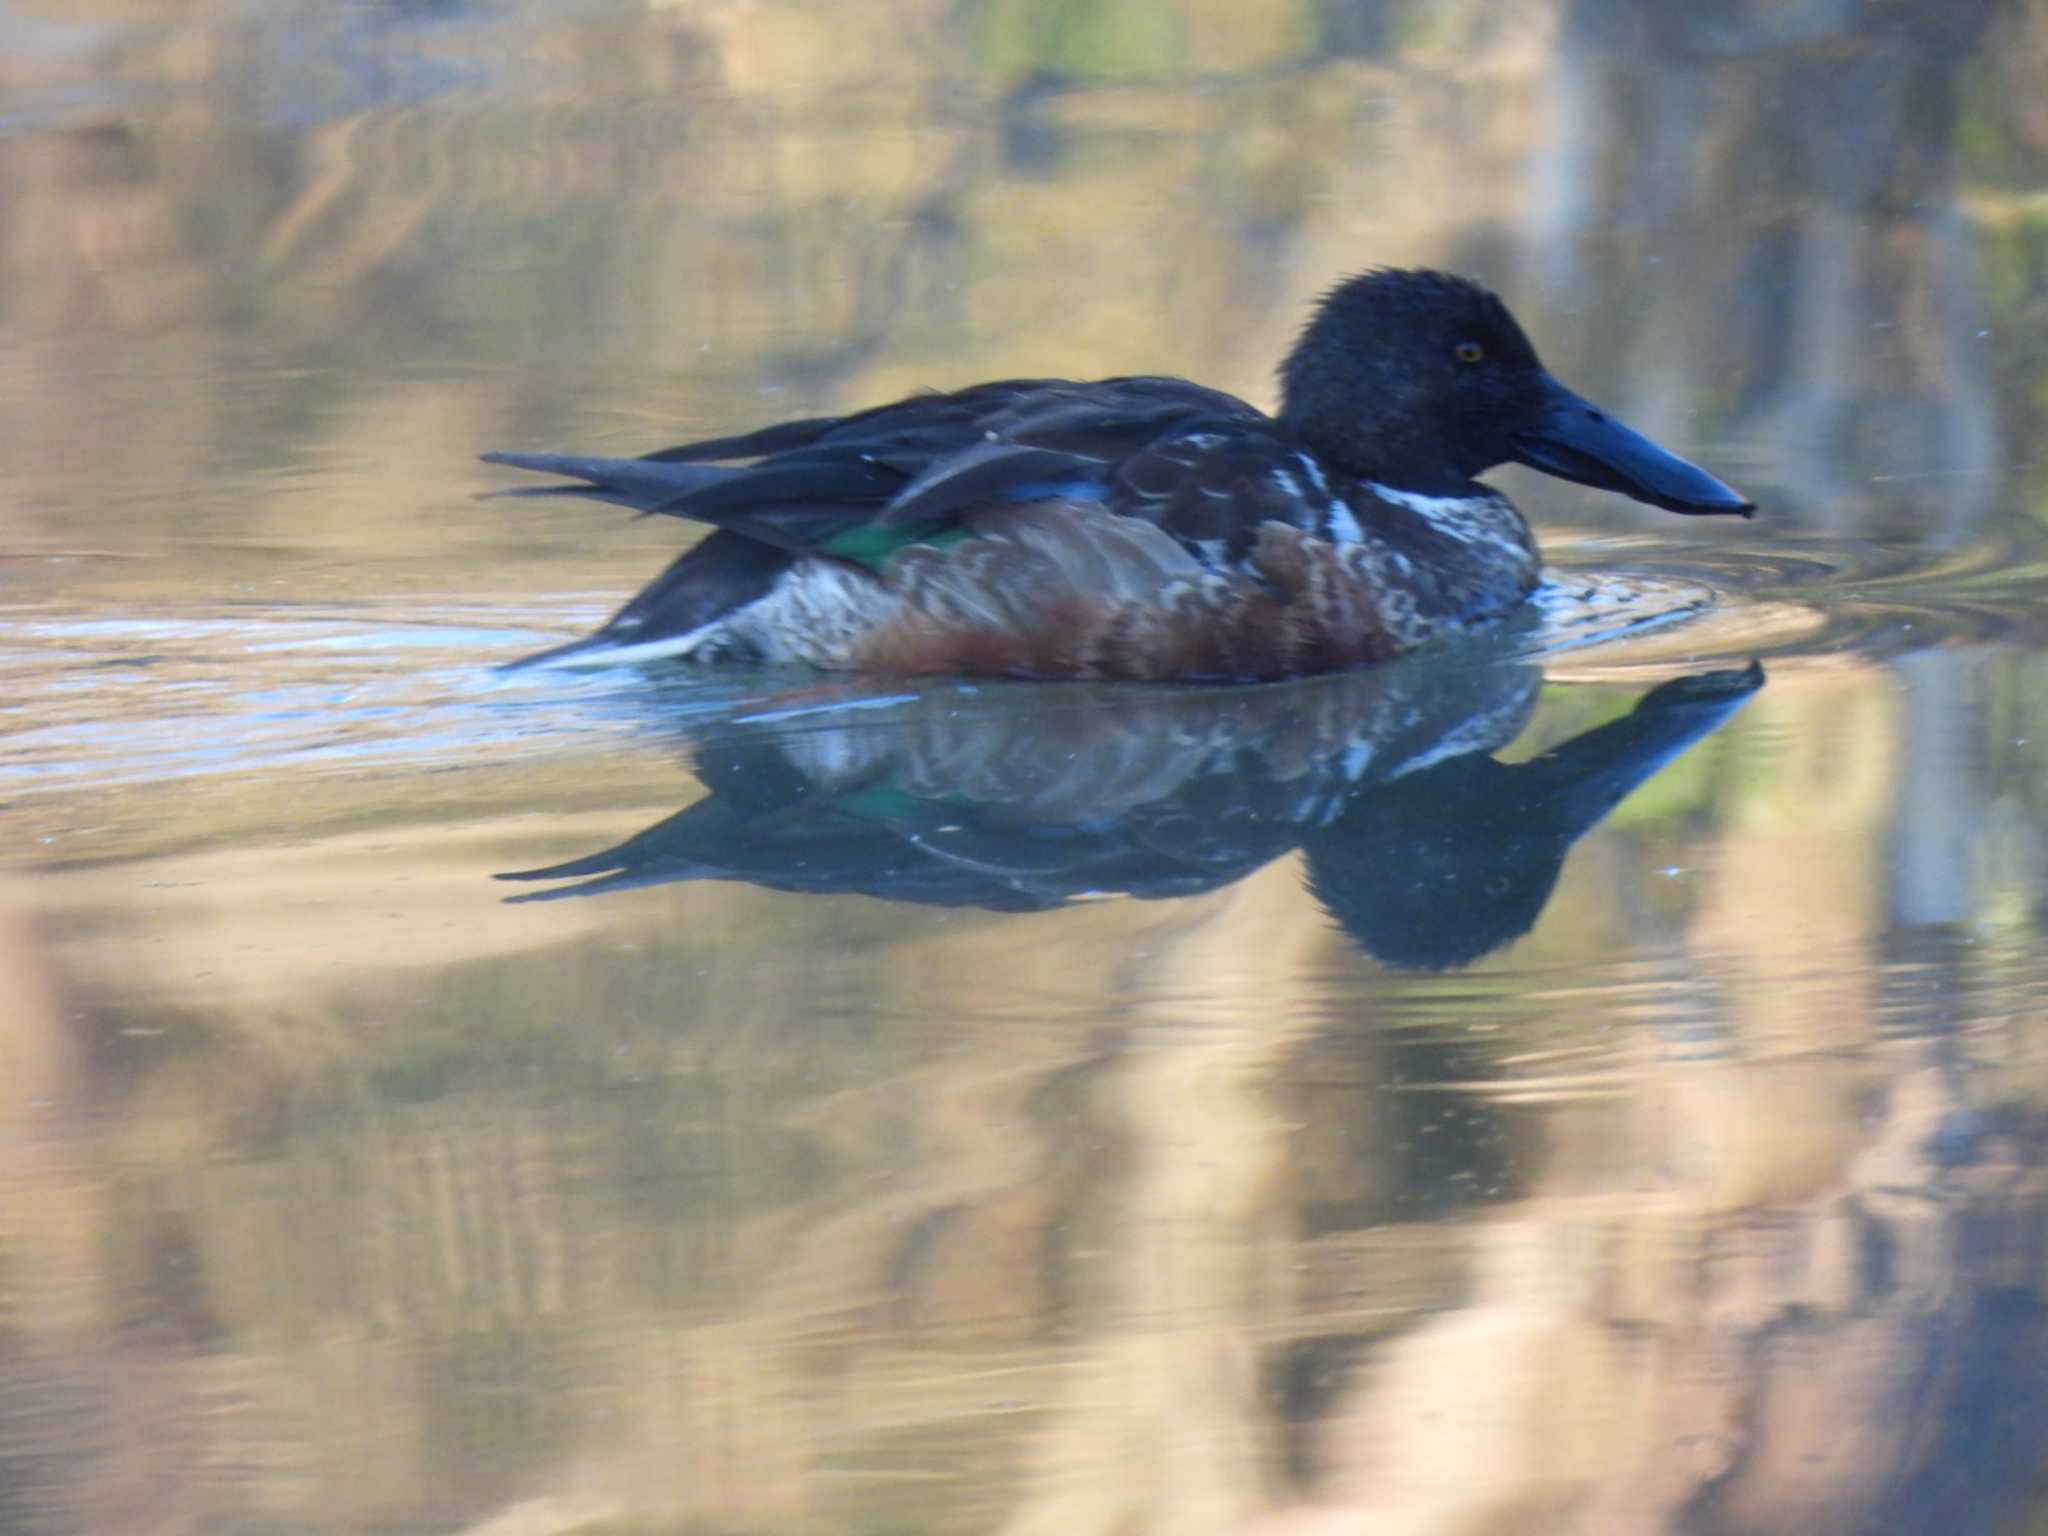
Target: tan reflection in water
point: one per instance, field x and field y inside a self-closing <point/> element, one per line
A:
<point x="332" y="1194"/>
<point x="402" y="1226"/>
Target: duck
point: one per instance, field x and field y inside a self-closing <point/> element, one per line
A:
<point x="1137" y="528"/>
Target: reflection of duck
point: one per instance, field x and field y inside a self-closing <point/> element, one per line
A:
<point x="1136" y="527"/>
<point x="1427" y="850"/>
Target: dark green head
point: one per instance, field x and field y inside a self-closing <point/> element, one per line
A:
<point x="1420" y="380"/>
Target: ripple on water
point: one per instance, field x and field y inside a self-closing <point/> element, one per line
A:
<point x="100" y="701"/>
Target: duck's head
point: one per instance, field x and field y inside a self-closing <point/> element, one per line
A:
<point x="1421" y="380"/>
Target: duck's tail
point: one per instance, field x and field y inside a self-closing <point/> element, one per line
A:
<point x="681" y="610"/>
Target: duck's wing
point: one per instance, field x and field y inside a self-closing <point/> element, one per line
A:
<point x="918" y="468"/>
<point x="925" y="425"/>
<point x="913" y="467"/>
<point x="814" y="486"/>
<point x="1203" y="466"/>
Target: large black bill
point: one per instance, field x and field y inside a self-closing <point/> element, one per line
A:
<point x="1576" y="440"/>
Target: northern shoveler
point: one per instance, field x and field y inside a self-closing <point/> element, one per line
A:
<point x="1135" y="527"/>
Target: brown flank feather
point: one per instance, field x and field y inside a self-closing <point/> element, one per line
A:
<point x="1047" y="591"/>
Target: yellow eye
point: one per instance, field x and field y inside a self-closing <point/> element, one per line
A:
<point x="1470" y="351"/>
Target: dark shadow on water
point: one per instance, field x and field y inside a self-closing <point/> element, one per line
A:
<point x="1428" y="850"/>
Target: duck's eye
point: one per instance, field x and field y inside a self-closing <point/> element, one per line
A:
<point x="1470" y="351"/>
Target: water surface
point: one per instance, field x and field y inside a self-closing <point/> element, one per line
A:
<point x="1585" y="1084"/>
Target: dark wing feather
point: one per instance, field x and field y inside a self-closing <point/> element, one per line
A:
<point x="1065" y="441"/>
<point x="794" y="502"/>
<point x="989" y="474"/>
<point x="817" y="484"/>
<point x="922" y="424"/>
<point x="779" y="438"/>
<point x="639" y="483"/>
<point x="797" y="501"/>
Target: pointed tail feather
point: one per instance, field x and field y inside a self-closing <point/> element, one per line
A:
<point x="750" y="445"/>
<point x="643" y="484"/>
<point x="590" y="649"/>
<point x="702" y="586"/>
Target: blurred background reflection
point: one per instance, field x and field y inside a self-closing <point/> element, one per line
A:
<point x="339" y="1193"/>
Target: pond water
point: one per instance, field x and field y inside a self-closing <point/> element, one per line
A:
<point x="1592" y="1082"/>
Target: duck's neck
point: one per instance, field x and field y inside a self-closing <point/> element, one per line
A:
<point x="1406" y="473"/>
<point x="1397" y="455"/>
